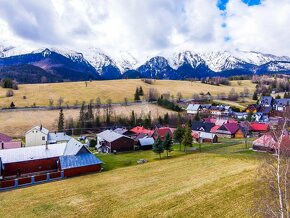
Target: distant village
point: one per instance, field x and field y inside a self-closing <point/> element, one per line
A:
<point x="47" y="156"/>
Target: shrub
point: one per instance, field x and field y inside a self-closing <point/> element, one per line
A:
<point x="9" y="93"/>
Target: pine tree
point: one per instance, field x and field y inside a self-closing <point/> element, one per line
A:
<point x="187" y="139"/>
<point x="167" y="144"/>
<point x="12" y="105"/>
<point x="166" y="118"/>
<point x="178" y="135"/>
<point x="255" y="96"/>
<point x="60" y="125"/>
<point x="141" y="93"/>
<point x="132" y="119"/>
<point x="137" y="95"/>
<point x="197" y="118"/>
<point x="158" y="147"/>
<point x="82" y="116"/>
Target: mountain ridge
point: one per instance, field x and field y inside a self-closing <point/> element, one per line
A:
<point x="69" y="65"/>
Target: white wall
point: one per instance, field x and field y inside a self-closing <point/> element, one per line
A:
<point x="35" y="137"/>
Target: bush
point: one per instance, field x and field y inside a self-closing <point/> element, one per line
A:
<point x="8" y="84"/>
<point x="9" y="93"/>
<point x="93" y="143"/>
<point x="168" y="104"/>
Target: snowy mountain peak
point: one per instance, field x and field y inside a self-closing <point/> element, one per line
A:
<point x="186" y="57"/>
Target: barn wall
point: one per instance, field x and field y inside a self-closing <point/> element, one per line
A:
<point x="122" y="144"/>
<point x="10" y="169"/>
<point x="82" y="170"/>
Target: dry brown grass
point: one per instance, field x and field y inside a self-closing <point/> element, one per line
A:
<point x="117" y="90"/>
<point x="197" y="185"/>
<point x="16" y="123"/>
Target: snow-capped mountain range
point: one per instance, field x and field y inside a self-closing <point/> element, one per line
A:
<point x="93" y="63"/>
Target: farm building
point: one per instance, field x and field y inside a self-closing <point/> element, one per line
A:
<point x="11" y="144"/>
<point x="145" y="143"/>
<point x="42" y="159"/>
<point x="208" y="137"/>
<point x="109" y="141"/>
<point x="201" y="137"/>
<point x="268" y="143"/>
<point x="36" y="136"/>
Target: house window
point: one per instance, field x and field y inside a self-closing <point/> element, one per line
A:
<point x="43" y="138"/>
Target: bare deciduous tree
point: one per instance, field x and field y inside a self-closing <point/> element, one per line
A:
<point x="60" y="101"/>
<point x="50" y="102"/>
<point x="274" y="175"/>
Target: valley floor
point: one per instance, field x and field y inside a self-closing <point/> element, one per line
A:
<point x="218" y="182"/>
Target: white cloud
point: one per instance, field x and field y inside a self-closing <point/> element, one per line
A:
<point x="148" y="27"/>
<point x="262" y="27"/>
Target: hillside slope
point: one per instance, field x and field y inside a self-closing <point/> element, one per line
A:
<point x="198" y="185"/>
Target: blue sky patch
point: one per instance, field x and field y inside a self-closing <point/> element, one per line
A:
<point x="222" y="4"/>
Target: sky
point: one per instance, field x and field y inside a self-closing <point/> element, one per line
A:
<point x="148" y="27"/>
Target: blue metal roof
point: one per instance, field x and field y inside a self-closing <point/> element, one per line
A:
<point x="74" y="161"/>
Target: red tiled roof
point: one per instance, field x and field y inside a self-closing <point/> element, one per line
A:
<point x="163" y="131"/>
<point x="141" y="129"/>
<point x="214" y="129"/>
<point x="259" y="126"/>
<point x="5" y="138"/>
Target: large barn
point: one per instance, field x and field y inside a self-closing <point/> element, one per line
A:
<point x="71" y="158"/>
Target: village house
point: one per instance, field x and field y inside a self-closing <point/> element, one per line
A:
<point x="193" y="108"/>
<point x="162" y="132"/>
<point x="217" y="110"/>
<point x="257" y="129"/>
<point x="201" y="137"/>
<point x="57" y="137"/>
<point x="109" y="141"/>
<point x="36" y="136"/>
<point x="281" y="104"/>
<point x="39" y="135"/>
<point x="71" y="158"/>
<point x="202" y="126"/>
<point x="230" y="130"/>
<point x="253" y="108"/>
<point x="266" y="101"/>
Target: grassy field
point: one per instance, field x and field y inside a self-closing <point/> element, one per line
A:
<point x="117" y="90"/>
<point x="218" y="182"/>
<point x="16" y="123"/>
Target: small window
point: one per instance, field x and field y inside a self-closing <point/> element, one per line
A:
<point x="43" y="138"/>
